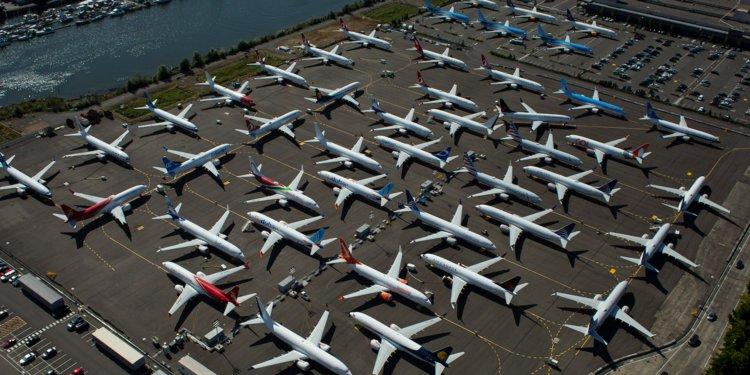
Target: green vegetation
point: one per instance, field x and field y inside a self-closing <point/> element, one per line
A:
<point x="392" y="12"/>
<point x="6" y="133"/>
<point x="48" y="105"/>
<point x="166" y="98"/>
<point x="734" y="357"/>
<point x="238" y="69"/>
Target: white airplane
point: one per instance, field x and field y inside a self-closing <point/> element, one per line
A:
<point x="403" y="151"/>
<point x="561" y="184"/>
<point x="362" y="39"/>
<point x="384" y="284"/>
<point x="24" y="181"/>
<point x="208" y="160"/>
<point x="604" y="309"/>
<point x="278" y="230"/>
<point x="227" y="95"/>
<point x="348" y="157"/>
<point x="323" y="55"/>
<point x="102" y="149"/>
<point x="532" y="14"/>
<point x="690" y="196"/>
<point x="328" y="97"/>
<point x="281" y="123"/>
<point x="399" y="124"/>
<point x="447" y="230"/>
<point x="513" y="81"/>
<point x="115" y="205"/>
<point x="680" y="130"/>
<point x="345" y="187"/>
<point x="448" y="99"/>
<point x="303" y="349"/>
<point x="489" y="4"/>
<point x="652" y="246"/>
<point x="278" y="74"/>
<point x="201" y="284"/>
<point x="456" y="122"/>
<point x="504" y="188"/>
<point x="203" y="238"/>
<point x="463" y="275"/>
<point x="601" y="150"/>
<point x="530" y="116"/>
<point x="439" y="59"/>
<point x="169" y="121"/>
<point x="516" y="225"/>
<point x="591" y="28"/>
<point x="546" y="152"/>
<point x="282" y="194"/>
<point x="393" y="338"/>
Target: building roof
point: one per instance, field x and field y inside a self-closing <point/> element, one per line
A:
<point x="194" y="366"/>
<point x="117" y="345"/>
<point x="39" y="288"/>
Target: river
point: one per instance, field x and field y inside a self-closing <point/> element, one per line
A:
<point x="96" y="57"/>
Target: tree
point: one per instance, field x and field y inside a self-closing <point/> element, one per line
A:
<point x="198" y="60"/>
<point x="163" y="74"/>
<point x="734" y="357"/>
<point x="185" y="66"/>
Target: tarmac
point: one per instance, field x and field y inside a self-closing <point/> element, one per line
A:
<point x="117" y="272"/>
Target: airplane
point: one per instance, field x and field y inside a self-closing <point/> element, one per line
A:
<point x="502" y="28"/>
<point x="592" y="104"/>
<point x="680" y="130"/>
<point x="591" y="28"/>
<point x="278" y="230"/>
<point x="362" y="39"/>
<point x="203" y="238"/>
<point x="448" y="99"/>
<point x="439" y="59"/>
<point x="449" y="15"/>
<point x="201" y="284"/>
<point x="604" y="309"/>
<point x="115" y="205"/>
<point x="228" y="95"/>
<point x="564" y="45"/>
<point x="403" y="151"/>
<point x="344" y="187"/>
<point x="546" y="152"/>
<point x="561" y="184"/>
<point x="515" y="225"/>
<point x="513" y="81"/>
<point x="328" y="97"/>
<point x="347" y="157"/>
<point x="208" y="160"/>
<point x="282" y="194"/>
<point x="504" y="188"/>
<point x="456" y="122"/>
<point x="690" y="196"/>
<point x="323" y="55"/>
<point x="652" y="246"/>
<point x="535" y="118"/>
<point x="280" y="75"/>
<point x="169" y="121"/>
<point x="602" y="150"/>
<point x="102" y="149"/>
<point x="303" y="349"/>
<point x="399" y="124"/>
<point x="393" y="338"/>
<point x="463" y="275"/>
<point x="384" y="284"/>
<point x="25" y="182"/>
<point x="447" y="230"/>
<point x="489" y="4"/>
<point x="532" y="14"/>
<point x="281" y="123"/>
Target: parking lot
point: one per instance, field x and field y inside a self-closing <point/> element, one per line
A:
<point x="117" y="272"/>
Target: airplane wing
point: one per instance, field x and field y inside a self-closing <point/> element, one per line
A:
<point x="674" y="191"/>
<point x="502" y="83"/>
<point x="533" y="157"/>
<point x="272" y="239"/>
<point x="561" y="190"/>
<point x="119" y="139"/>
<point x="599" y="154"/>
<point x="90" y="198"/>
<point x="218" y="276"/>
<point x="528" y="108"/>
<point x="458" y="215"/>
<point x="163" y="123"/>
<point x="475" y="115"/>
<point x="513" y="233"/>
<point x="590" y="302"/>
<point x="191" y="243"/>
<point x="85" y="153"/>
<point x="211" y="168"/>
<point x="580" y="175"/>
<point x="302" y="223"/>
<point x="335" y="49"/>
<point x="396" y="266"/>
<point x="435" y="236"/>
<point x="625" y="318"/>
<point x="536" y="124"/>
<point x="295" y="183"/>
<point x="447" y="52"/>
<point x="402" y="157"/>
<point x="118" y="214"/>
<point x="457" y="286"/>
<point x="479" y="267"/>
<point x="317" y="333"/>
<point x="343" y="194"/>
<point x="436" y="101"/>
<point x="386" y="350"/>
<point x="220" y="223"/>
<point x="259" y="119"/>
<point x="284" y="358"/>
<point x="410" y="115"/>
<point x="712" y="204"/>
<point x="366" y="291"/>
<point x="215" y="99"/>
<point x="187" y="293"/>
<point x="454" y="89"/>
<point x="454" y="128"/>
<point x="185" y="111"/>
<point x="617" y="141"/>
<point x="286" y="130"/>
<point x="585" y="106"/>
<point x="349" y="99"/>
<point x="679" y="257"/>
<point x="267" y="77"/>
<point x="44" y="170"/>
<point x="674" y="135"/>
<point x="424" y="145"/>
<point x="416" y="328"/>
<point x="181" y="154"/>
<point x="371" y="34"/>
<point x="372" y="179"/>
<point x="635" y="239"/>
<point x="14" y="186"/>
<point x="339" y="159"/>
<point x="494" y="191"/>
<point x="535" y="216"/>
<point x="265" y="199"/>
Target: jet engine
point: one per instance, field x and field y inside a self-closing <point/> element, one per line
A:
<point x="265" y="234"/>
<point x="514" y="86"/>
<point x="385" y="296"/>
<point x="348" y="164"/>
<point x="402" y="131"/>
<point x="323" y="346"/>
<point x="21" y="191"/>
<point x="403" y="281"/>
<point x="685" y="138"/>
<point x="283" y="202"/>
<point x="598" y="297"/>
<point x="395" y="154"/>
<point x="670" y="245"/>
<point x="303" y="365"/>
<point x="547" y="160"/>
<point x="375" y="345"/>
<point x="394" y="327"/>
<point x="504" y="228"/>
<point x="504" y="196"/>
<point x="200" y="274"/>
<point x="450" y="241"/>
<point x="336" y="190"/>
<point x="551" y="186"/>
<point x="203" y="249"/>
<point x="127" y="207"/>
<point x="447" y="280"/>
<point x="625" y="309"/>
<point x="447" y="124"/>
<point x="222" y="236"/>
<point x="178" y="289"/>
<point x="216" y="162"/>
<point x="448" y="104"/>
<point x="590" y="152"/>
<point x="101" y="156"/>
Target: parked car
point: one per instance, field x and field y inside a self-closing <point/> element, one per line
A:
<point x="31" y="340"/>
<point x="6" y="276"/>
<point x="49" y="353"/>
<point x="3" y="313"/>
<point x="28" y="358"/>
<point x="81" y="326"/>
<point x="77" y="371"/>
<point x="10" y="342"/>
<point x="72" y="323"/>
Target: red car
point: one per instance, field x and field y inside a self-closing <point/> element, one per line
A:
<point x="10" y="343"/>
<point x="77" y="371"/>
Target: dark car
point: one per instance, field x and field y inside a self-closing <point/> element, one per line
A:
<point x="49" y="353"/>
<point x="10" y="342"/>
<point x="31" y="340"/>
<point x="694" y="341"/>
<point x="72" y="323"/>
<point x="81" y="326"/>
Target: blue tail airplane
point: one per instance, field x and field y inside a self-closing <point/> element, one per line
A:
<point x="502" y="28"/>
<point x="565" y="45"/>
<point x="446" y="15"/>
<point x="592" y="104"/>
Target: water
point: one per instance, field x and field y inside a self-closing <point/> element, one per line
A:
<point x="96" y="57"/>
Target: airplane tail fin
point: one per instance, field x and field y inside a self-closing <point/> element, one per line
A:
<point x="254" y="168"/>
<point x="566" y="233"/>
<point x="318" y="94"/>
<point x="650" y="113"/>
<point x="512" y="286"/>
<point x="540" y="30"/>
<point x="444" y="154"/>
<point x="420" y="80"/>
<point x="639" y="153"/>
<point x="569" y="15"/>
<point x="490" y="123"/>
<point x="480" y="16"/>
<point x="587" y="331"/>
<point x="320" y="136"/>
<point x="444" y="359"/>
<point x="209" y="79"/>
<point x="82" y="131"/>
<point x="469" y="165"/>
<point x="609" y="187"/>
<point x="514" y="133"/>
<point x="344" y="253"/>
<point x="418" y="47"/>
<point x="410" y="203"/>
<point x="563" y="87"/>
<point x="385" y="191"/>
<point x="3" y="162"/>
<point x="170" y="165"/>
<point x="343" y="25"/>
<point x="232" y="299"/>
<point x="376" y="106"/>
<point x="485" y="63"/>
<point x="70" y="215"/>
<point x="305" y="42"/>
<point x="264" y="314"/>
<point x="504" y="108"/>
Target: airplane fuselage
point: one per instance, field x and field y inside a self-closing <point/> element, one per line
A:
<point x="276" y="123"/>
<point x="174" y="120"/>
<point x="594" y="29"/>
<point x="655" y="243"/>
<point x="340" y="92"/>
<point x="508" y="187"/>
<point x="118" y="199"/>
<point x="355" y="157"/>
<point x="453" y="100"/>
<point x="281" y="229"/>
<point x="213" y="240"/>
<point x="410" y="150"/>
<point x="456" y="231"/>
<point x="353" y="186"/>
<point x="108" y="150"/>
<point x="310" y="350"/>
<point x="394" y="285"/>
<point x="197" y="283"/>
<point x="412" y="126"/>
<point x="526" y="226"/>
<point x="28" y="182"/>
<point x="570" y="183"/>
<point x="608" y="305"/>
<point x="470" y="277"/>
<point x="367" y="40"/>
<point x="529" y="117"/>
<point x="202" y="158"/>
<point x="690" y="132"/>
<point x="329" y="57"/>
<point x="533" y="14"/>
<point x="692" y="193"/>
<point x="296" y="196"/>
<point x="449" y="118"/>
<point x="608" y="150"/>
<point x="553" y="153"/>
<point x="233" y="95"/>
<point x="443" y="60"/>
<point x="597" y="104"/>
<point x="285" y="75"/>
<point x="515" y="81"/>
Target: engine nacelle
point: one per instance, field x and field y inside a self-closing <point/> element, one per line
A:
<point x="222" y="236"/>
<point x="704" y="196"/>
<point x="598" y="297"/>
<point x="348" y="164"/>
<point x="324" y="346"/>
<point x="644" y="236"/>
<point x="170" y="128"/>
<point x="670" y="245"/>
<point x="626" y="309"/>
<point x="200" y="274"/>
<point x="127" y="207"/>
<point x="504" y="196"/>
<point x="375" y="345"/>
<point x="101" y="156"/>
<point x="514" y="86"/>
<point x="403" y="281"/>
<point x="280" y="80"/>
<point x="551" y="186"/>
<point x="447" y="124"/>
<point x="447" y="280"/>
<point x="21" y="191"/>
<point x="178" y="289"/>
<point x="402" y="131"/>
<point x="265" y="233"/>
<point x="303" y="365"/>
<point x="228" y="102"/>
<point x="203" y="249"/>
<point x="395" y="154"/>
<point x="504" y="228"/>
<point x="547" y="160"/>
<point x="336" y="191"/>
<point x="685" y="138"/>
<point x="448" y="105"/>
<point x="589" y="152"/>
<point x="216" y="162"/>
<point x="394" y="327"/>
<point x="385" y="296"/>
<point x="451" y="241"/>
<point x="283" y="202"/>
<point x="594" y="110"/>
